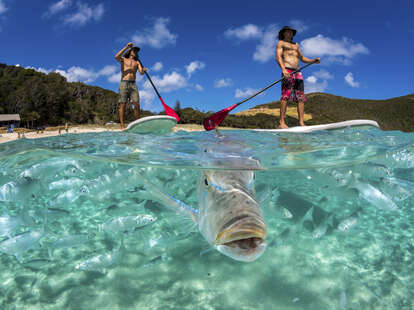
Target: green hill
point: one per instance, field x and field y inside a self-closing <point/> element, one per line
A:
<point x="391" y="114"/>
<point x="48" y="99"/>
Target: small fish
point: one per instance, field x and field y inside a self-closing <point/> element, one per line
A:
<point x="68" y="242"/>
<point x="103" y="261"/>
<point x="322" y="228"/>
<point x="37" y="264"/>
<point x="157" y="260"/>
<point x="374" y="196"/>
<point x="66" y="183"/>
<point x="9" y="224"/>
<point x="66" y="197"/>
<point x="21" y="243"/>
<point x="127" y="223"/>
<point x="348" y="223"/>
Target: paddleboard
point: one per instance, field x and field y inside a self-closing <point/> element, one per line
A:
<point x="158" y="124"/>
<point x="331" y="126"/>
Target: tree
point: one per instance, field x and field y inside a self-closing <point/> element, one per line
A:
<point x="177" y="108"/>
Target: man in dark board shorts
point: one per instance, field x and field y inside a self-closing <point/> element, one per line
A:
<point x="288" y="55"/>
<point x="128" y="90"/>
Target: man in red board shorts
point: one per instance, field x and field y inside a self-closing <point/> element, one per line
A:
<point x="288" y="55"/>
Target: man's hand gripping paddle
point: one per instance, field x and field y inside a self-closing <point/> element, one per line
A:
<point x="215" y="119"/>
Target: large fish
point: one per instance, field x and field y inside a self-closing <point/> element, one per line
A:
<point x="228" y="216"/>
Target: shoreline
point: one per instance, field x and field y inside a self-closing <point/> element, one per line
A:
<point x="8" y="137"/>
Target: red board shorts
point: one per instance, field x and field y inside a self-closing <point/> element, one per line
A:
<point x="292" y="87"/>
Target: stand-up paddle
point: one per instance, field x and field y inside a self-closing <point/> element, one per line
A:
<point x="168" y="110"/>
<point x="215" y="120"/>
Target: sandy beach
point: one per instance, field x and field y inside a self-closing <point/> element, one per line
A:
<point x="7" y="137"/>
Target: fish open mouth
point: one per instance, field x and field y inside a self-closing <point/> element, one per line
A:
<point x="245" y="244"/>
<point x="246" y="235"/>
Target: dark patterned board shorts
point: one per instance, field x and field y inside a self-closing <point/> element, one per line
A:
<point x="292" y="87"/>
<point x="128" y="91"/>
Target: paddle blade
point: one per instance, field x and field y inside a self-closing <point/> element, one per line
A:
<point x="169" y="111"/>
<point x="215" y="120"/>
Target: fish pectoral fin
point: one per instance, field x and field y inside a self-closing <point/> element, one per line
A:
<point x="263" y="193"/>
<point x="167" y="200"/>
<point x="206" y="250"/>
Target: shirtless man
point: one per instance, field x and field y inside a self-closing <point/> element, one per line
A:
<point x="288" y="55"/>
<point x="127" y="88"/>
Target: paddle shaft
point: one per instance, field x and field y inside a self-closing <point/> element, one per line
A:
<point x="270" y="85"/>
<point x="168" y="110"/>
<point x="215" y="119"/>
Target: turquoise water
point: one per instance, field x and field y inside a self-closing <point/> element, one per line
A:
<point x="80" y="230"/>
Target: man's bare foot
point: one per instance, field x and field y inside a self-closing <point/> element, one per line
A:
<point x="302" y="124"/>
<point x="283" y="126"/>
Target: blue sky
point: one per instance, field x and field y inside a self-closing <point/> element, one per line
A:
<point x="212" y="54"/>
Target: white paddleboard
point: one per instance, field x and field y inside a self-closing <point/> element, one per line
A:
<point x="158" y="124"/>
<point x="339" y="125"/>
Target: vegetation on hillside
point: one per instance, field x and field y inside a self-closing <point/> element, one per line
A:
<point x="391" y="114"/>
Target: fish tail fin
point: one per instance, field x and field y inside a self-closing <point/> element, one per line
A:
<point x="308" y="216"/>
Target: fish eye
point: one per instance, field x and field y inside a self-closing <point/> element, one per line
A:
<point x="205" y="182"/>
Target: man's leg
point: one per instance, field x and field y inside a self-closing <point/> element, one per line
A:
<point x="283" y="104"/>
<point x="301" y="113"/>
<point x="136" y="109"/>
<point x="121" y="114"/>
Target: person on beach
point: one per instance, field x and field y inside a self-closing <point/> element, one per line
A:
<point x="127" y="88"/>
<point x="288" y="55"/>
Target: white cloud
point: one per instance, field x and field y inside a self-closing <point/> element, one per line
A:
<point x="3" y="7"/>
<point x="146" y="96"/>
<point x="323" y="74"/>
<point x="39" y="69"/>
<point x="245" y="32"/>
<point x="221" y="83"/>
<point x="298" y="25"/>
<point x="193" y="66"/>
<point x="349" y="79"/>
<point x="85" y="14"/>
<point x="240" y="93"/>
<point x="78" y="74"/>
<point x="169" y="82"/>
<point x="115" y="78"/>
<point x="335" y="50"/>
<point x="108" y="70"/>
<point x="198" y="87"/>
<point x="156" y="36"/>
<point x="312" y="84"/>
<point x="58" y="7"/>
<point x="157" y="66"/>
<point x="265" y="50"/>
